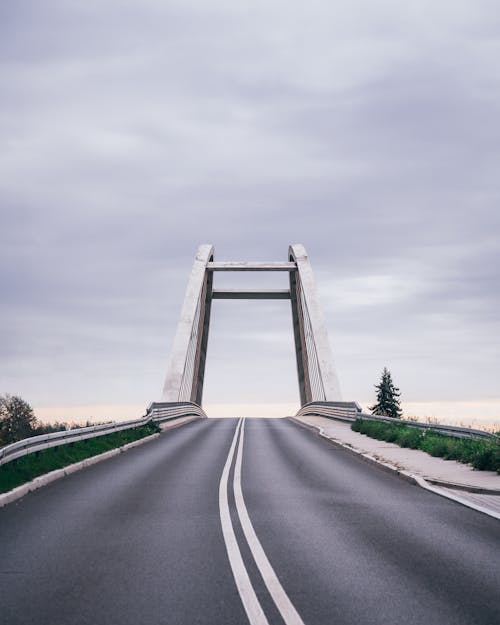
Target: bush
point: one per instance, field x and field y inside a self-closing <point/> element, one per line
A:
<point x="436" y="446"/>
<point x="409" y="437"/>
<point x="487" y="457"/>
<point x="482" y="454"/>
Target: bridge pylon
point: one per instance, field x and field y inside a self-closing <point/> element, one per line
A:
<point x="317" y="378"/>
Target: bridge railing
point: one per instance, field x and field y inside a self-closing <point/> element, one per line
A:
<point x="161" y="411"/>
<point x="350" y="411"/>
<point x="342" y="410"/>
<point x="157" y="412"/>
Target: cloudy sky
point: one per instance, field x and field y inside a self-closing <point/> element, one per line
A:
<point x="133" y="131"/>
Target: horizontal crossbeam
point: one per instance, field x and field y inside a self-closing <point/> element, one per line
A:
<point x="230" y="266"/>
<point x="315" y="368"/>
<point x="250" y="294"/>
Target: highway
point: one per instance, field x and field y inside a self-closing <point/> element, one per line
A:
<point x="244" y="521"/>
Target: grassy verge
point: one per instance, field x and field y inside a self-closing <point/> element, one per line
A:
<point x="26" y="468"/>
<point x="482" y="454"/>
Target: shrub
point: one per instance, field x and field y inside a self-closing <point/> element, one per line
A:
<point x="436" y="446"/>
<point x="482" y="454"/>
<point x="409" y="437"/>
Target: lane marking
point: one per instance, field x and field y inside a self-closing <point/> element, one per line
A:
<point x="280" y="598"/>
<point x="248" y="597"/>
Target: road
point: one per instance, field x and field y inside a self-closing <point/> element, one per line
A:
<point x="228" y="521"/>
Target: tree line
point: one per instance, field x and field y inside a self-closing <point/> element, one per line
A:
<point x="18" y="421"/>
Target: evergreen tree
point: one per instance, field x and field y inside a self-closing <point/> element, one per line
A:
<point x="388" y="404"/>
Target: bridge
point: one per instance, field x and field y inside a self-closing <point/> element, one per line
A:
<point x="317" y="379"/>
<point x="243" y="521"/>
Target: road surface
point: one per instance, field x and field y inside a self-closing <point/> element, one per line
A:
<point x="256" y="521"/>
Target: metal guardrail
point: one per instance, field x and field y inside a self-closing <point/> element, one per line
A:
<point x="156" y="412"/>
<point x="342" y="410"/>
<point x="450" y="430"/>
<point x="160" y="411"/>
<point x="350" y="411"/>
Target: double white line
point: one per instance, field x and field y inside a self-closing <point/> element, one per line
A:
<point x="249" y="599"/>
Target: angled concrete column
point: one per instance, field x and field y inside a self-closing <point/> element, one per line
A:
<point x="201" y="350"/>
<point x="300" y="346"/>
<point x="185" y="369"/>
<point x="317" y="376"/>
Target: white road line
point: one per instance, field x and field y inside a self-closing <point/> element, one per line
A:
<point x="280" y="598"/>
<point x="248" y="597"/>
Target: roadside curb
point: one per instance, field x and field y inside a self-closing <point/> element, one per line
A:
<point x="47" y="478"/>
<point x="52" y="476"/>
<point x="465" y="487"/>
<point x="417" y="480"/>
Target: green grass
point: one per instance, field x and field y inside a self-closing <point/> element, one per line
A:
<point x="26" y="468"/>
<point x="482" y="454"/>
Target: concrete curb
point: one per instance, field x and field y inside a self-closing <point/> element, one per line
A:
<point x="465" y="487"/>
<point x="405" y="475"/>
<point x="47" y="478"/>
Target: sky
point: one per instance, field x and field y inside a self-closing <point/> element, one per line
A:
<point x="131" y="132"/>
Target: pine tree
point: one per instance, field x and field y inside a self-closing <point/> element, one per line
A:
<point x="388" y="404"/>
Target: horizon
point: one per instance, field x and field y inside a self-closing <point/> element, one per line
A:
<point x="480" y="414"/>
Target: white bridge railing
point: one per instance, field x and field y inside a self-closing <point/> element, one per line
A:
<point x="350" y="411"/>
<point x="156" y="412"/>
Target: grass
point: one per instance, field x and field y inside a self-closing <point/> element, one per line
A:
<point x="28" y="467"/>
<point x="482" y="454"/>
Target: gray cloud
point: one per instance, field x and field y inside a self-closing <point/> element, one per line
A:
<point x="132" y="132"/>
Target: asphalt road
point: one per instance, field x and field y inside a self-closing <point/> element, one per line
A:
<point x="222" y="521"/>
